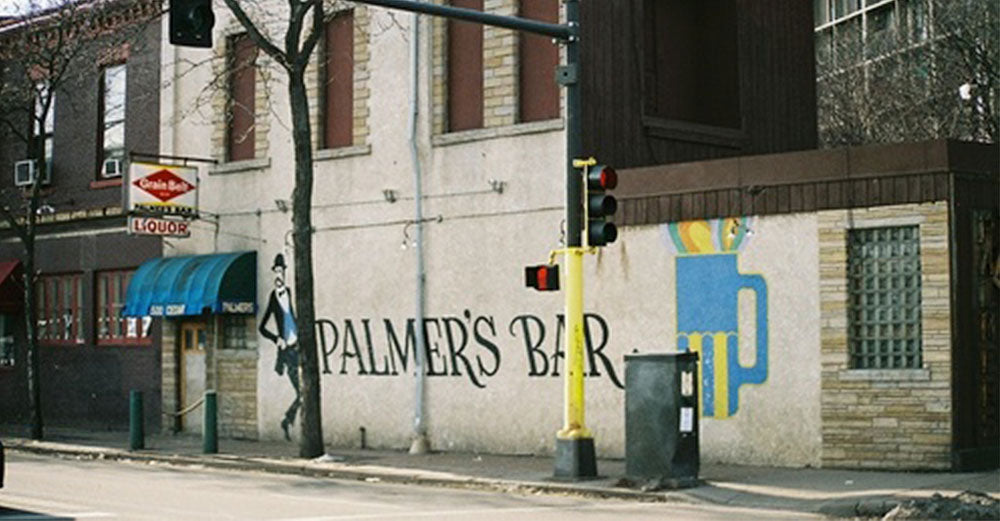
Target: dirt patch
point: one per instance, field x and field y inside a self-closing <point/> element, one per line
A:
<point x="966" y="506"/>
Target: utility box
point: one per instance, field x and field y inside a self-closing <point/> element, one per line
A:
<point x="661" y="418"/>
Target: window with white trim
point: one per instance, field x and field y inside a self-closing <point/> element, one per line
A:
<point x="112" y="130"/>
<point x="59" y="306"/>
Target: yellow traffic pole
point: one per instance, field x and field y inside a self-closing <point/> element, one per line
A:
<point x="574" y="426"/>
<point x="575" y="455"/>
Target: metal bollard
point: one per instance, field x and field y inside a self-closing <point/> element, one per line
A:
<point x="210" y="427"/>
<point x="136" y="430"/>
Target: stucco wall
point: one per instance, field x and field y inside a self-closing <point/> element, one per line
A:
<point x="495" y="380"/>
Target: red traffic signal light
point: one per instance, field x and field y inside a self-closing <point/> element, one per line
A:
<point x="602" y="177"/>
<point x="544" y="277"/>
<point x="601" y="205"/>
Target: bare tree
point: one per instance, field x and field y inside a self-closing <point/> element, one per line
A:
<point x="42" y="51"/>
<point x="301" y="22"/>
<point x="907" y="71"/>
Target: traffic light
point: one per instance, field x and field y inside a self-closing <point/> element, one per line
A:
<point x="544" y="277"/>
<point x="191" y="23"/>
<point x="600" y="206"/>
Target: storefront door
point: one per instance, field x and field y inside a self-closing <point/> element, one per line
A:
<point x="193" y="341"/>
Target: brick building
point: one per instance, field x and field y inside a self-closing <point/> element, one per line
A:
<point x="104" y="104"/>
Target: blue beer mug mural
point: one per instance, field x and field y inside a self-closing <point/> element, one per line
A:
<point x="708" y="286"/>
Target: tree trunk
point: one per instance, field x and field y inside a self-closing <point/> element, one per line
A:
<point x="311" y="444"/>
<point x="30" y="322"/>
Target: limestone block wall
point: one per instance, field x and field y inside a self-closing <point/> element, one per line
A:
<point x="886" y="418"/>
<point x="169" y="373"/>
<point x="236" y="384"/>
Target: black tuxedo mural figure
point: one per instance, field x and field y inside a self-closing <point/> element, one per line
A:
<point x="278" y="326"/>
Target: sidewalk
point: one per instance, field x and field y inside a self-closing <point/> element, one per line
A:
<point x="838" y="493"/>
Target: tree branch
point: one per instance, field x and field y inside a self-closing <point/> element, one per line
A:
<point x="258" y="38"/>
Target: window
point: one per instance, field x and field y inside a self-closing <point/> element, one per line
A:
<point x="112" y="328"/>
<point x="59" y="303"/>
<point x="7" y="355"/>
<point x="916" y="19"/>
<point x="112" y="129"/>
<point x="338" y="91"/>
<point x="235" y="332"/>
<point x="690" y="62"/>
<point x="881" y="27"/>
<point x="44" y="128"/>
<point x="241" y="109"/>
<point x="884" y="298"/>
<point x="821" y="12"/>
<point x="465" y="71"/>
<point x="538" y="93"/>
<point x="842" y="8"/>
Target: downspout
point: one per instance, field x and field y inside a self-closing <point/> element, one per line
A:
<point x="420" y="444"/>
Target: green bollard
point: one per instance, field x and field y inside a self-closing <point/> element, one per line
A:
<point x="136" y="432"/>
<point x="210" y="434"/>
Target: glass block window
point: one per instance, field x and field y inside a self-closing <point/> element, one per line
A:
<point x="235" y="333"/>
<point x="883" y="266"/>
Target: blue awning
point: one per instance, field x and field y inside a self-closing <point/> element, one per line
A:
<point x="193" y="285"/>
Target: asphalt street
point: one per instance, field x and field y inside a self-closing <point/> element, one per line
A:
<point x="41" y="488"/>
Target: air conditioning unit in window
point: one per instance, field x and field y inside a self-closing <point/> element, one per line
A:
<point x="25" y="172"/>
<point x="111" y="168"/>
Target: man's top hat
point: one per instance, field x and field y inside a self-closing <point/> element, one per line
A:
<point x="279" y="262"/>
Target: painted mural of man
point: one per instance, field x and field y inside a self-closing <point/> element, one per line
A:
<point x="278" y="326"/>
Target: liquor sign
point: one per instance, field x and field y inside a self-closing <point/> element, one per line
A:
<point x="156" y="226"/>
<point x="155" y="189"/>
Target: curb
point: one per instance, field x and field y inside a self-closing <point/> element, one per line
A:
<point x="336" y="470"/>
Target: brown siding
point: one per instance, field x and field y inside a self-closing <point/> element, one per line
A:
<point x="339" y="89"/>
<point x="465" y="71"/>
<point x="797" y="182"/>
<point x="242" y="99"/>
<point x="775" y="88"/>
<point x="538" y="94"/>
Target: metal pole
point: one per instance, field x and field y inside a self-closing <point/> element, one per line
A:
<point x="136" y="429"/>
<point x="420" y="443"/>
<point x="561" y="32"/>
<point x="575" y="456"/>
<point x="210" y="427"/>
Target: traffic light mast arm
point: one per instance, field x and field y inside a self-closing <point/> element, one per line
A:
<point x="561" y="32"/>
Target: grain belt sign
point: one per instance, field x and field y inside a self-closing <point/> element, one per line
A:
<point x="156" y="190"/>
